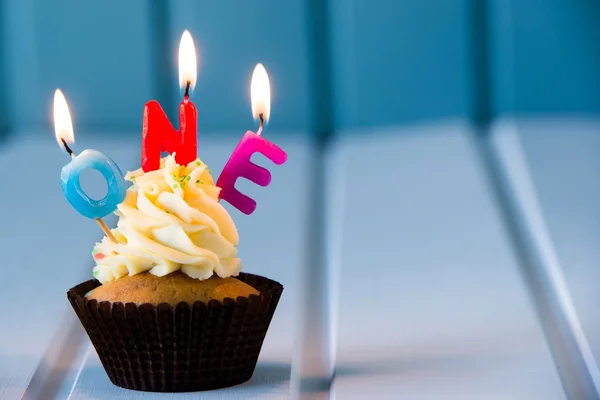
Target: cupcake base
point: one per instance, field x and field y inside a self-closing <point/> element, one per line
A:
<point x="183" y="348"/>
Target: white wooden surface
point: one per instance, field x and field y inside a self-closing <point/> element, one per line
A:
<point x="565" y="165"/>
<point x="432" y="302"/>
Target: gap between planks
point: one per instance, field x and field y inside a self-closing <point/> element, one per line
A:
<point x="54" y="373"/>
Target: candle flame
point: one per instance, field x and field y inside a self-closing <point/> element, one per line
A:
<point x="260" y="93"/>
<point x="63" y="126"/>
<point x="187" y="61"/>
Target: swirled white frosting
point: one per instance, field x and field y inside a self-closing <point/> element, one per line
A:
<point x="170" y="220"/>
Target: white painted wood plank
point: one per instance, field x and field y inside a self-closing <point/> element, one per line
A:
<point x="271" y="243"/>
<point x="542" y="269"/>
<point x="432" y="303"/>
<point x="46" y="248"/>
<point x="564" y="158"/>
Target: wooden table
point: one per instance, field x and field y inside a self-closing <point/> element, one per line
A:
<point x="432" y="303"/>
<point x="565" y="161"/>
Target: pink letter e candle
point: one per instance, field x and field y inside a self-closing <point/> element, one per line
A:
<point x="157" y="132"/>
<point x="239" y="164"/>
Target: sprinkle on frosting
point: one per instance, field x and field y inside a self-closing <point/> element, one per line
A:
<point x="170" y="220"/>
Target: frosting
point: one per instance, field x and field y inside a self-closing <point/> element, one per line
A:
<point x="170" y="220"/>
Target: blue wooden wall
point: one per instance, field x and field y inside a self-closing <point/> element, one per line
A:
<point x="400" y="61"/>
<point x="389" y="61"/>
<point x="97" y="52"/>
<point x="232" y="37"/>
<point x="545" y="56"/>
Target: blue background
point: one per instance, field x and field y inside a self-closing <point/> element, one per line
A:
<point x="334" y="65"/>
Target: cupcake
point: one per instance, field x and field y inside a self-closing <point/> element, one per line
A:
<point x="169" y="309"/>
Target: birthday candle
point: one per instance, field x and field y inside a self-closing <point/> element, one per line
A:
<point x="157" y="132"/>
<point x="239" y="164"/>
<point x="88" y="159"/>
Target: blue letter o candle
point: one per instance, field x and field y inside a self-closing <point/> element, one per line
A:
<point x="74" y="193"/>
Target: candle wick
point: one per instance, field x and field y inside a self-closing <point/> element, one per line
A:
<point x="261" y="124"/>
<point x="67" y="148"/>
<point x="186" y="95"/>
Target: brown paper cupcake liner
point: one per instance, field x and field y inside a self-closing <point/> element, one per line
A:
<point x="183" y="348"/>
